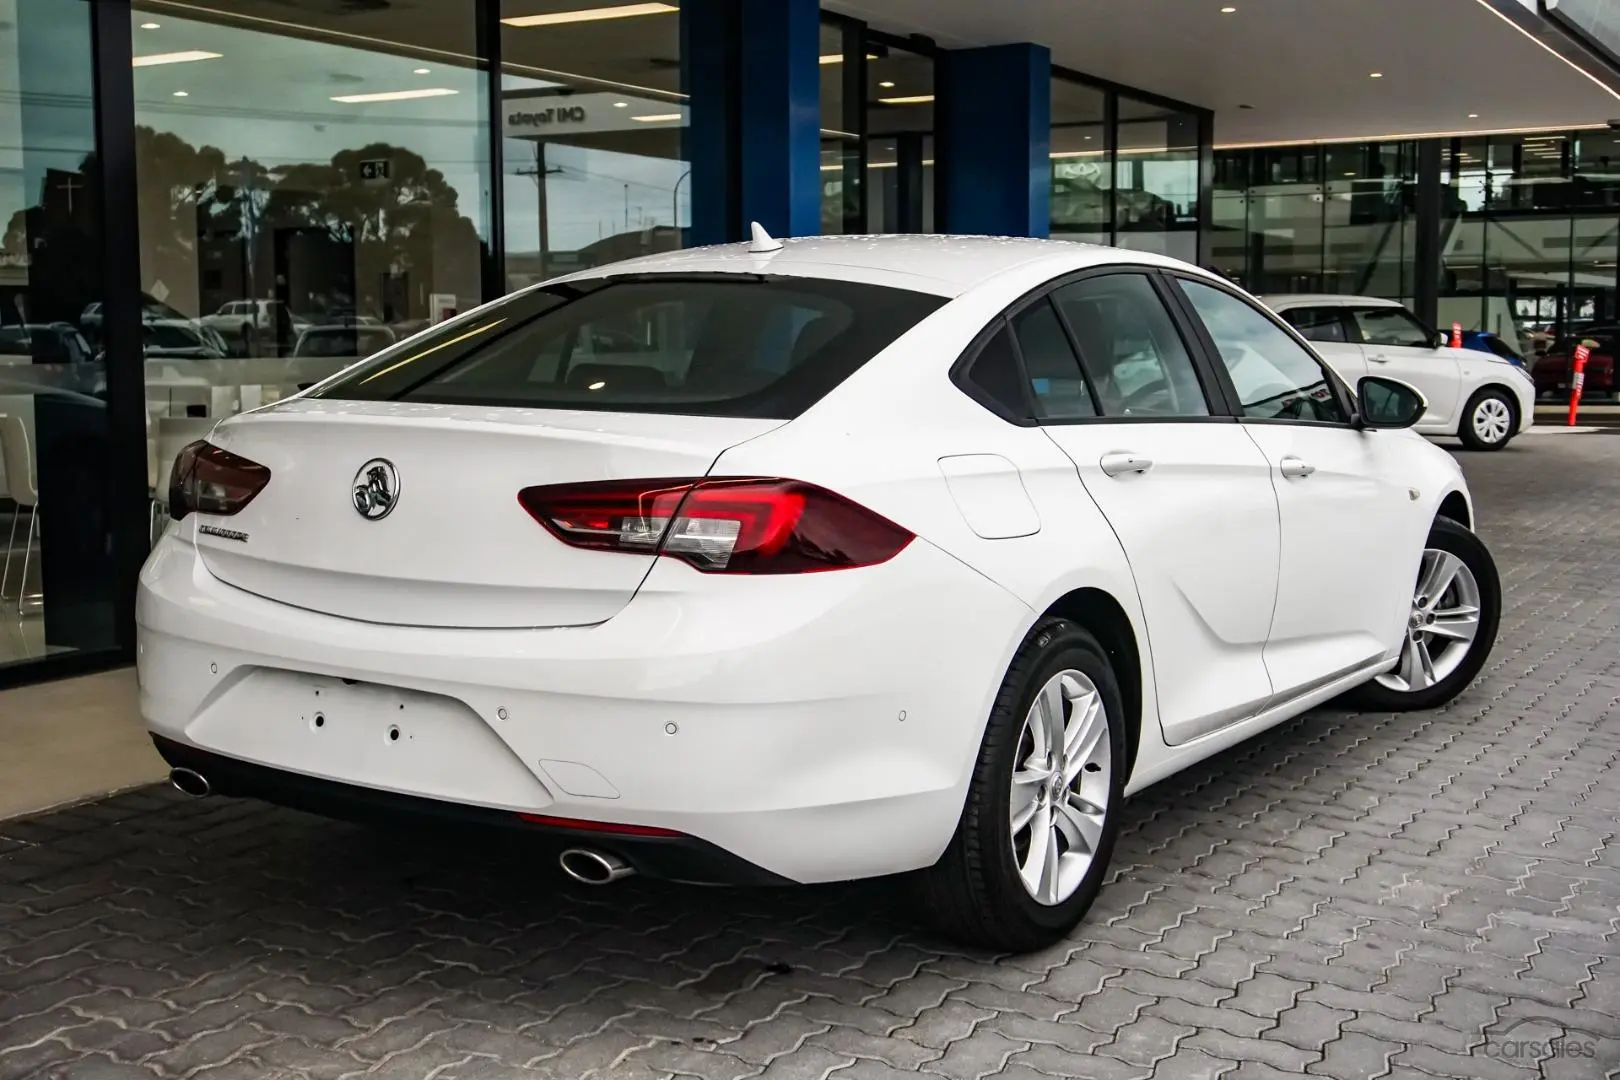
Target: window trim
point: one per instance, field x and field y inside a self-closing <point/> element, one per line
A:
<point x="1212" y="355"/>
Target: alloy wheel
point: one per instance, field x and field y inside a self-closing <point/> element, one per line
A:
<point x="1442" y="626"/>
<point x="1492" y="420"/>
<point x="1061" y="782"/>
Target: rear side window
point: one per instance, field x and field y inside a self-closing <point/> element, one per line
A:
<point x="995" y="377"/>
<point x="713" y="345"/>
<point x="1059" y="388"/>
<point x="1317" y="324"/>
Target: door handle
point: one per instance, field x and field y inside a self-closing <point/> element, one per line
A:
<point x="1295" y="468"/>
<point x="1123" y="461"/>
<point x="1379" y="359"/>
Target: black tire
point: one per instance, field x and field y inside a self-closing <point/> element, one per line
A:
<point x="1449" y="536"/>
<point x="974" y="893"/>
<point x="1465" y="424"/>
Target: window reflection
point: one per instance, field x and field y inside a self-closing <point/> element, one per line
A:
<point x="1156" y="180"/>
<point x="593" y="121"/>
<point x="1081" y="177"/>
<point x="312" y="185"/>
<point x="56" y="578"/>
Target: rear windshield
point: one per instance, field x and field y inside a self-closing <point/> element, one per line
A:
<point x="715" y="345"/>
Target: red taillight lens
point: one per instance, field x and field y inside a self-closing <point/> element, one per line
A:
<point x="209" y="480"/>
<point x="719" y="526"/>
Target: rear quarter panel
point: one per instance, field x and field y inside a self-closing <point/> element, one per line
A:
<point x="879" y="438"/>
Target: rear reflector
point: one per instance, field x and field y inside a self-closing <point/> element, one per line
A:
<point x="209" y="480"/>
<point x="597" y="826"/>
<point x="739" y="525"/>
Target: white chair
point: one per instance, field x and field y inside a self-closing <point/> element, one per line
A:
<point x="22" y="484"/>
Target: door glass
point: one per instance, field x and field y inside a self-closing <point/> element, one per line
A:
<point x="1392" y="326"/>
<point x="56" y="577"/>
<point x="1130" y="348"/>
<point x="594" y="124"/>
<point x="1275" y="378"/>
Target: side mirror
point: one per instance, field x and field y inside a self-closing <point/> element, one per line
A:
<point x="1442" y="339"/>
<point x="1386" y="403"/>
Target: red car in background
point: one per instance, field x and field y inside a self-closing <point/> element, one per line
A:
<point x="1552" y="371"/>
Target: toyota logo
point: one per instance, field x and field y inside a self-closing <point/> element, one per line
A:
<point x="376" y="489"/>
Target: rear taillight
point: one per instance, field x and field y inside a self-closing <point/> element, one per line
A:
<point x="209" y="480"/>
<point x="719" y="526"/>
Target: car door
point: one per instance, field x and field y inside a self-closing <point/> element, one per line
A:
<point x="1397" y="346"/>
<point x="1185" y="490"/>
<point x="1352" y="530"/>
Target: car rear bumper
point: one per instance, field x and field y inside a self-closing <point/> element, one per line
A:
<point x="815" y="727"/>
<point x="673" y="858"/>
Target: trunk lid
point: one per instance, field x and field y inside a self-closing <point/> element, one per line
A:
<point x="456" y="549"/>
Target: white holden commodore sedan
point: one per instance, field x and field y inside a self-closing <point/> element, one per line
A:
<point x="808" y="561"/>
<point x="1479" y="397"/>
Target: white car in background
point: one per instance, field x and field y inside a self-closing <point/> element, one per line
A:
<point x="807" y="561"/>
<point x="1479" y="397"/>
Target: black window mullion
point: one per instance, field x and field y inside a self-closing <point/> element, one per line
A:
<point x="489" y="55"/>
<point x="1079" y="353"/>
<point x="1206" y="354"/>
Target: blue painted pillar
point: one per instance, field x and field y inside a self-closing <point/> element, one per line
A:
<point x="994" y="131"/>
<point x="753" y="82"/>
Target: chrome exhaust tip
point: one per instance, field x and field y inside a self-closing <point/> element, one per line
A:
<point x="593" y="867"/>
<point x="189" y="782"/>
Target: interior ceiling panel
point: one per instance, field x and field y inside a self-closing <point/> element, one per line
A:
<point x="1304" y="67"/>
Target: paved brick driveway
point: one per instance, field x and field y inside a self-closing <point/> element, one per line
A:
<point x="1348" y="896"/>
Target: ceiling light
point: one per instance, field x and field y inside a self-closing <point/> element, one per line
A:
<point x="622" y="11"/>
<point x="422" y="71"/>
<point x="1473" y="116"/>
<point x="660" y="118"/>
<point x="838" y="58"/>
<point x="1228" y="10"/>
<point x="155" y="59"/>
<point x="394" y="95"/>
<point x="1375" y="75"/>
<point x="150" y="25"/>
<point x="916" y="99"/>
<point x="181" y="93"/>
<point x="621" y="104"/>
<point x="887" y="85"/>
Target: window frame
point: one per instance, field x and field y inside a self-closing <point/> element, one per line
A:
<point x="1218" y="396"/>
<point x="1212" y="355"/>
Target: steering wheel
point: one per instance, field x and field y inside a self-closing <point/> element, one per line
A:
<point x="1143" y="393"/>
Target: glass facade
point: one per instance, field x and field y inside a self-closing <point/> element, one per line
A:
<point x="58" y="584"/>
<point x="593" y="118"/>
<point x="1528" y="234"/>
<point x="1127" y="170"/>
<point x="1335" y="219"/>
<point x="877" y="132"/>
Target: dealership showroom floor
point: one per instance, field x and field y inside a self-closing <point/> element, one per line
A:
<point x="1423" y="895"/>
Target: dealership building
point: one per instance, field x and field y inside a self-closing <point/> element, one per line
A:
<point x="208" y="204"/>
